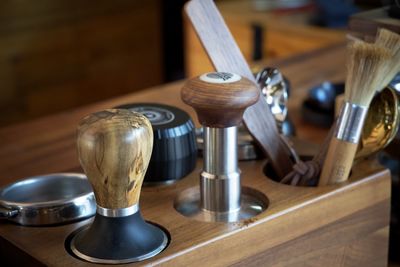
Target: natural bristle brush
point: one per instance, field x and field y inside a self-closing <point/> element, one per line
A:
<point x="367" y="64"/>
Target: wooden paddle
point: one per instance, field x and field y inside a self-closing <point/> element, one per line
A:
<point x="226" y="56"/>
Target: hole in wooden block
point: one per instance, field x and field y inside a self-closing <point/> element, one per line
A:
<point x="253" y="202"/>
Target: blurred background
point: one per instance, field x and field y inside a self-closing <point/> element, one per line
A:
<point x="56" y="55"/>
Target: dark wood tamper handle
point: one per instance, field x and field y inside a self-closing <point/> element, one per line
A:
<point x="114" y="148"/>
<point x="220" y="98"/>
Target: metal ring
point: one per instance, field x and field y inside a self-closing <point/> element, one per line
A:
<point x="118" y="212"/>
<point x="351" y="122"/>
<point x="88" y="258"/>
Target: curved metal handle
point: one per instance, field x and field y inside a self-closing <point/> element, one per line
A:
<point x="7" y="213"/>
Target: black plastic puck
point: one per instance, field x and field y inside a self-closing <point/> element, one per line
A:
<point x="174" y="148"/>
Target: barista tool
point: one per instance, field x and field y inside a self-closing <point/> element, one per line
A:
<point x="51" y="199"/>
<point x="114" y="149"/>
<point x="225" y="55"/>
<point x="382" y="120"/>
<point x="174" y="145"/>
<point x="219" y="100"/>
<point x="275" y="91"/>
<point x="367" y="64"/>
<point x="380" y="128"/>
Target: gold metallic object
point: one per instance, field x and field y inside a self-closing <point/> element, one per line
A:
<point x="381" y="124"/>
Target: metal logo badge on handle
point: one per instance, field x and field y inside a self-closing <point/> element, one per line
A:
<point x="220" y="77"/>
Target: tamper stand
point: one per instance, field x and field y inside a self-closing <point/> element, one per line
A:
<point x="114" y="150"/>
<point x="339" y="225"/>
<point x="219" y="100"/>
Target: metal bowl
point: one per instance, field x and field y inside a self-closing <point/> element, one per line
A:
<point x="381" y="124"/>
<point x="48" y="199"/>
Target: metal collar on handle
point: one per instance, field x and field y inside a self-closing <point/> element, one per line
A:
<point x="118" y="212"/>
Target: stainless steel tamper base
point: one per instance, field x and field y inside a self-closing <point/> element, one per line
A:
<point x="118" y="237"/>
<point x="219" y="196"/>
<point x="188" y="203"/>
<point x="220" y="193"/>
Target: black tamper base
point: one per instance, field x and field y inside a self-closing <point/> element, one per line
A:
<point x="117" y="240"/>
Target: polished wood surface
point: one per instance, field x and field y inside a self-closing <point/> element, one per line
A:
<point x="225" y="55"/>
<point x="114" y="148"/>
<point x="218" y="102"/>
<point x="343" y="225"/>
<point x="338" y="162"/>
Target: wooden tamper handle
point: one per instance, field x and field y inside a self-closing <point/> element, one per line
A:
<point x="114" y="149"/>
<point x="220" y="98"/>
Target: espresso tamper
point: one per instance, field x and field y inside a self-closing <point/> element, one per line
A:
<point x="219" y="100"/>
<point x="114" y="148"/>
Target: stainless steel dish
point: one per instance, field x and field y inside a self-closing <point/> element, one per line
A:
<point x="48" y="199"/>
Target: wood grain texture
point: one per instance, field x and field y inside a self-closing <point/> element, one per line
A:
<point x="332" y="242"/>
<point x="331" y="226"/>
<point x="216" y="38"/>
<point x="338" y="162"/>
<point x="226" y="56"/>
<point x="219" y="105"/>
<point x="114" y="148"/>
<point x="352" y="217"/>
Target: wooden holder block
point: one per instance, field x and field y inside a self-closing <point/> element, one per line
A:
<point x="341" y="225"/>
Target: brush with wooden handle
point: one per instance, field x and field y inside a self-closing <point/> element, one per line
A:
<point x="226" y="57"/>
<point x="366" y="67"/>
<point x="305" y="173"/>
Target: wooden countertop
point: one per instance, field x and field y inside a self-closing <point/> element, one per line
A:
<point x="47" y="145"/>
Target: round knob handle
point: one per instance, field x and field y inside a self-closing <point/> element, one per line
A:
<point x="220" y="98"/>
<point x="114" y="148"/>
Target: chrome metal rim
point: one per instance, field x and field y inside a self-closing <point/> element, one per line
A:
<point x="88" y="258"/>
<point x="118" y="212"/>
<point x="253" y="203"/>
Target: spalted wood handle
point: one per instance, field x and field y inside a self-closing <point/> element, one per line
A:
<point x="338" y="162"/>
<point x="114" y="148"/>
<point x="220" y="98"/>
